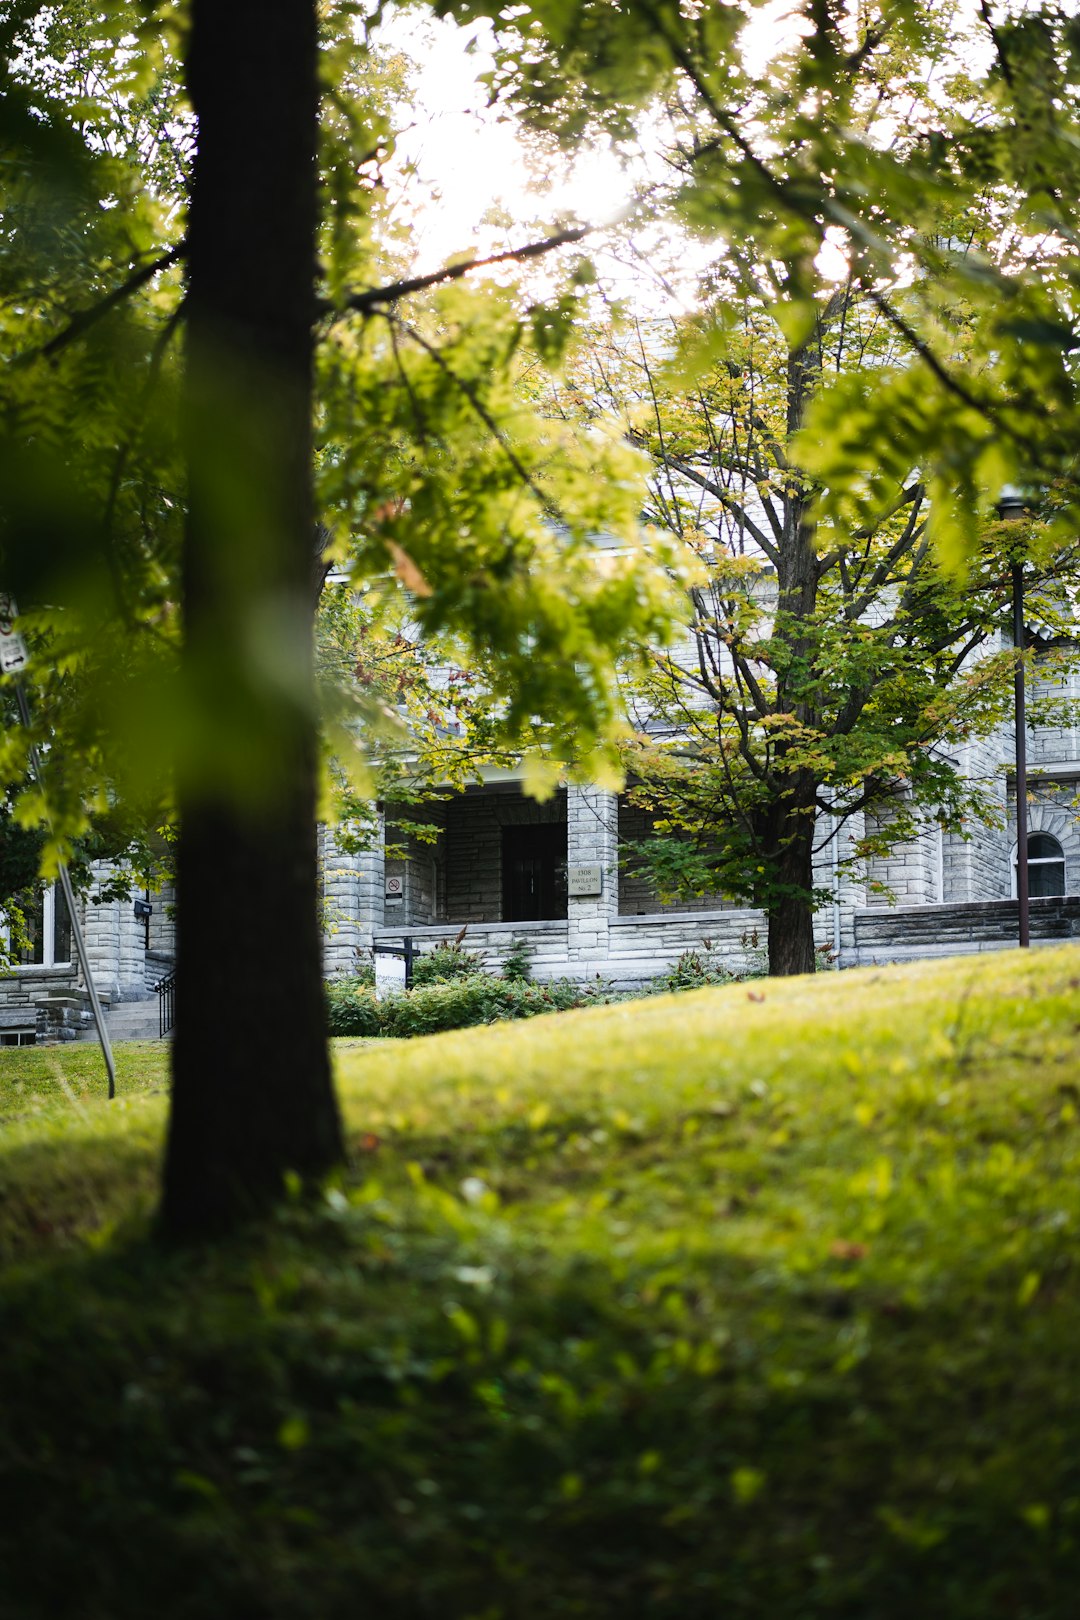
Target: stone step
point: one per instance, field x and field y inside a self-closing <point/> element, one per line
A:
<point x="128" y="1021"/>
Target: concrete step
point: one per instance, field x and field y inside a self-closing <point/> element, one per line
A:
<point x="129" y="1021"/>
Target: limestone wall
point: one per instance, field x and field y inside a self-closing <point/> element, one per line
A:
<point x="1052" y="808"/>
<point x="976" y="866"/>
<point x="641" y="948"/>
<point x="493" y="941"/>
<point x="637" y="897"/>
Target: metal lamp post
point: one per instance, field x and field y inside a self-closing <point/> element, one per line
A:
<point x="1011" y="508"/>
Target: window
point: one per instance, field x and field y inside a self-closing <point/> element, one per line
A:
<point x="45" y="928"/>
<point x="18" y="1037"/>
<point x="534" y="873"/>
<point x="1046" y="866"/>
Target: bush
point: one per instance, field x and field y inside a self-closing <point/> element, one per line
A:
<point x="352" y="1008"/>
<point x="445" y="964"/>
<point x="517" y="965"/>
<point x="692" y="971"/>
<point x="428" y="1009"/>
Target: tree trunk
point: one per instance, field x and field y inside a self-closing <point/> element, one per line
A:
<point x="252" y="1096"/>
<point x="791" y="915"/>
<point x="790" y="820"/>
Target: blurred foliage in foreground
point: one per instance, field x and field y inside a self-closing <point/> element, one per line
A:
<point x="437" y="471"/>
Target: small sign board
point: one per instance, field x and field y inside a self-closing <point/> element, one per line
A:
<point x="13" y="654"/>
<point x="394" y="888"/>
<point x="585" y="879"/>
<point x="389" y="974"/>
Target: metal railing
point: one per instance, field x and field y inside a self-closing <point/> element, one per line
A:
<point x="166" y="989"/>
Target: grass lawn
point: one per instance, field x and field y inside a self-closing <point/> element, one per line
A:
<point x="761" y="1301"/>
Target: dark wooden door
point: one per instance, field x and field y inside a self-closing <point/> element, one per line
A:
<point x="534" y="872"/>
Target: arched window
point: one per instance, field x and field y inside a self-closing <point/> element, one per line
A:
<point x="1046" y="866"/>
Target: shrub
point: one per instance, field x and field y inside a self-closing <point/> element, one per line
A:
<point x="351" y="1008"/>
<point x="429" y="1009"/>
<point x="445" y="964"/>
<point x="517" y="966"/>
<point x="693" y="970"/>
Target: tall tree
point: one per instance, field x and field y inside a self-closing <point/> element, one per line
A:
<point x="246" y="871"/>
<point x="824" y="675"/>
<point x="429" y="466"/>
<point x="831" y="155"/>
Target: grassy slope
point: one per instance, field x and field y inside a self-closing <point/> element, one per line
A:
<point x="757" y="1301"/>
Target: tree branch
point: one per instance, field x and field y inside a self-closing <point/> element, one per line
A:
<point x="950" y="383"/>
<point x="86" y="318"/>
<point x="481" y="410"/>
<point x="726" y="499"/>
<point x="374" y="298"/>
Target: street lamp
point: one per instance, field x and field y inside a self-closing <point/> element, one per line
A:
<point x="1012" y="508"/>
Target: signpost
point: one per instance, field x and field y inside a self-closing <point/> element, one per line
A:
<point x="1012" y="508"/>
<point x="13" y="660"/>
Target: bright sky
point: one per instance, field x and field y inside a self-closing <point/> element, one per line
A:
<point x="469" y="161"/>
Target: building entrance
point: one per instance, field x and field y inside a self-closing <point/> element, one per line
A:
<point x="534" y="873"/>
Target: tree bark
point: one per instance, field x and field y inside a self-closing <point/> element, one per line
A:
<point x="252" y="1095"/>
<point x="791" y="916"/>
<point x="790" y="820"/>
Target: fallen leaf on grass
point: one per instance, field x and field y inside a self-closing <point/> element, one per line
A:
<point x="840" y="1249"/>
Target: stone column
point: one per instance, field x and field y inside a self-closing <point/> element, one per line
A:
<point x="131" y="954"/>
<point x="101" y="931"/>
<point x="592" y="838"/>
<point x="163" y="921"/>
<point x="977" y="865"/>
<point x="353" y="900"/>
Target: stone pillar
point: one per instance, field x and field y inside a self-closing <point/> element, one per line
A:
<point x="101" y="931"/>
<point x="163" y="921"/>
<point x="352" y="900"/>
<point x="592" y="838"/>
<point x="851" y="891"/>
<point x="977" y="865"/>
<point x="131" y="954"/>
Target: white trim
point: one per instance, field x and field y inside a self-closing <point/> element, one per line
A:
<point x="48" y="937"/>
<point x="48" y="930"/>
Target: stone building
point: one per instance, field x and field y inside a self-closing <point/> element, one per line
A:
<point x="42" y="996"/>
<point x="508" y="869"/>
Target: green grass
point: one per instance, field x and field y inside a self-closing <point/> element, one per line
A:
<point x="758" y="1301"/>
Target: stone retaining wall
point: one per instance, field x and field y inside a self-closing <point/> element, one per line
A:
<point x="910" y="932"/>
<point x="494" y="941"/>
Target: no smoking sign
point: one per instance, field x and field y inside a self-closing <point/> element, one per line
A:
<point x="13" y="654"/>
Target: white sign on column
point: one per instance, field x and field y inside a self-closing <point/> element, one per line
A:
<point x="13" y="654"/>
